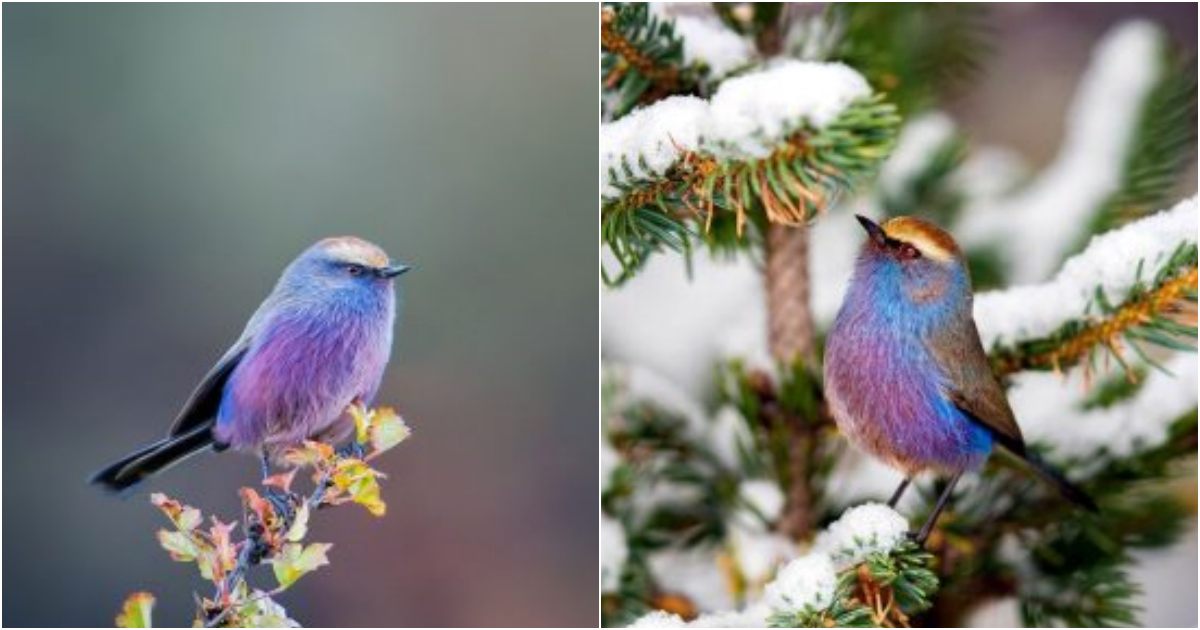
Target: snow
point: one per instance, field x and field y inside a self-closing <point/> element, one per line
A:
<point x="750" y="617"/>
<point x="648" y="141"/>
<point x="1047" y="413"/>
<point x="694" y="573"/>
<point x="751" y="113"/>
<point x="643" y="384"/>
<point x="1037" y="224"/>
<point x="728" y="432"/>
<point x="659" y="619"/>
<point x="806" y="583"/>
<point x="747" y="117"/>
<point x="613" y="552"/>
<point x="763" y="496"/>
<point x="662" y="320"/>
<point x="758" y="553"/>
<point x="1110" y="262"/>
<point x="707" y="40"/>
<point x="861" y="531"/>
<point x="609" y="460"/>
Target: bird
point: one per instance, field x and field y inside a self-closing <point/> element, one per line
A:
<point x="906" y="376"/>
<point x="319" y="342"/>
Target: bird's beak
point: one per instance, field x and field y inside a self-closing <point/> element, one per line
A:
<point x="392" y="271"/>
<point x="873" y="229"/>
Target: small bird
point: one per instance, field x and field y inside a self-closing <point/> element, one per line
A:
<point x="906" y="376"/>
<point x="319" y="342"/>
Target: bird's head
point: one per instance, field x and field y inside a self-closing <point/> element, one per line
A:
<point x="916" y="257"/>
<point x="346" y="262"/>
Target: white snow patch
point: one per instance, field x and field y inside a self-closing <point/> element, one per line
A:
<point x="1048" y="413"/>
<point x="659" y="619"/>
<point x="1039" y="222"/>
<point x="747" y="117"/>
<point x="613" y="552"/>
<point x="1109" y="262"/>
<point x="806" y="583"/>
<point x="861" y="531"/>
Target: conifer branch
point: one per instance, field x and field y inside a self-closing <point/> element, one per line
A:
<point x="806" y="169"/>
<point x="1150" y="314"/>
<point x="642" y="57"/>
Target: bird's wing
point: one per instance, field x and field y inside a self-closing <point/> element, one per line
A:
<point x="970" y="384"/>
<point x="202" y="405"/>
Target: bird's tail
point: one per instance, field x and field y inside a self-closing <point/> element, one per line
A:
<point x="141" y="464"/>
<point x="1055" y="477"/>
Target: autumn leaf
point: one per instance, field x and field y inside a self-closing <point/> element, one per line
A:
<point x="362" y="423"/>
<point x="311" y="453"/>
<point x="185" y="517"/>
<point x="183" y="547"/>
<point x="387" y="429"/>
<point x="294" y="560"/>
<point x="135" y="612"/>
<point x="221" y="555"/>
<point x="360" y="483"/>
<point x="283" y="480"/>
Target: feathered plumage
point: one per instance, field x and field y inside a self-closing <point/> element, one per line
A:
<point x="906" y="376"/>
<point x="319" y="342"/>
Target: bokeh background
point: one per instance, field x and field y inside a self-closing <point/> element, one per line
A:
<point x="162" y="163"/>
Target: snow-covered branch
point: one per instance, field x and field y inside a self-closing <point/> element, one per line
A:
<point x="1114" y="263"/>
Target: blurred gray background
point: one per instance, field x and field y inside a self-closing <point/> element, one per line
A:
<point x="162" y="163"/>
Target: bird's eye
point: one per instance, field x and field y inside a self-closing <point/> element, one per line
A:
<point x="908" y="252"/>
<point x="355" y="270"/>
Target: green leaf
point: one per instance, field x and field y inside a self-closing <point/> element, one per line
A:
<point x="135" y="612"/>
<point x="294" y="560"/>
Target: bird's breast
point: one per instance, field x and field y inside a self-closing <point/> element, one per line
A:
<point x="300" y="374"/>
<point x="884" y="390"/>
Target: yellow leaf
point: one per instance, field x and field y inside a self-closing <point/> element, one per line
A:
<point x="299" y="526"/>
<point x="362" y="423"/>
<point x="360" y="482"/>
<point x="388" y="430"/>
<point x="185" y="517"/>
<point x="135" y="612"/>
<point x="294" y="560"/>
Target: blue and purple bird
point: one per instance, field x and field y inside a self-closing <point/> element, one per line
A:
<point x="906" y="376"/>
<point x="319" y="342"/>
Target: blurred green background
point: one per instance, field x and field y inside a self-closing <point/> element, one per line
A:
<point x="162" y="163"/>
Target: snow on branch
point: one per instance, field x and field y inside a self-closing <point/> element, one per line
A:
<point x="746" y="118"/>
<point x="780" y="143"/>
<point x="1037" y="224"/>
<point x="861" y="569"/>
<point x="1113" y="268"/>
<point x="709" y="44"/>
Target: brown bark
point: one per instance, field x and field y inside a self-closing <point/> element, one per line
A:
<point x="790" y="330"/>
<point x="789" y="318"/>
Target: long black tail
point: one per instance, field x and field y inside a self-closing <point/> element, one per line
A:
<point x="1070" y="491"/>
<point x="139" y="465"/>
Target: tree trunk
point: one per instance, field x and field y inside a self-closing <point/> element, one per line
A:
<point x="790" y="335"/>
